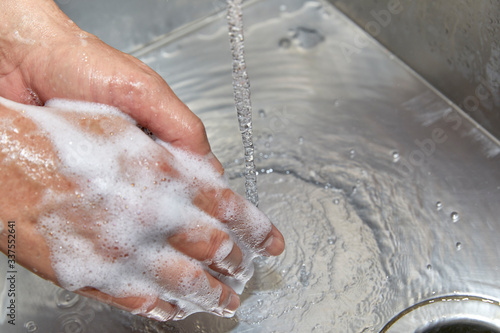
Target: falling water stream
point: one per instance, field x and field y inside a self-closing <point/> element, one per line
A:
<point x="241" y="87"/>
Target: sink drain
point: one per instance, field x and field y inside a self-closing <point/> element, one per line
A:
<point x="447" y="314"/>
<point x="459" y="326"/>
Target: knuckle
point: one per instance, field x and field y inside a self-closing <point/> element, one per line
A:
<point x="226" y="199"/>
<point x="198" y="126"/>
<point x="216" y="239"/>
<point x="205" y="201"/>
<point x="215" y="202"/>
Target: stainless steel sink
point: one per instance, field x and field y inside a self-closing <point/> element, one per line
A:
<point x="386" y="192"/>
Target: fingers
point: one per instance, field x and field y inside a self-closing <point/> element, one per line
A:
<point x="273" y="244"/>
<point x="92" y="71"/>
<point x="211" y="246"/>
<point x="128" y="84"/>
<point x="229" y="301"/>
<point x="156" y="309"/>
<point x="96" y="72"/>
<point x="194" y="289"/>
<point x="184" y="287"/>
<point x="164" y="311"/>
<point x="251" y="225"/>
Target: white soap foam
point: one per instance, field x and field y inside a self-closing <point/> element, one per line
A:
<point x="120" y="247"/>
<point x="86" y="107"/>
<point x="224" y="250"/>
<point x="15" y="152"/>
<point x="257" y="232"/>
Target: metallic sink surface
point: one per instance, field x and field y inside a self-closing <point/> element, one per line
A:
<point x="387" y="194"/>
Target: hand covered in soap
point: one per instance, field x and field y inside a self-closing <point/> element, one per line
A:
<point x="44" y="55"/>
<point x="99" y="207"/>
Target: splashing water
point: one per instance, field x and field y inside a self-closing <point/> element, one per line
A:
<point x="241" y="88"/>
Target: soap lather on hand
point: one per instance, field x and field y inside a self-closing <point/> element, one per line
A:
<point x="148" y="226"/>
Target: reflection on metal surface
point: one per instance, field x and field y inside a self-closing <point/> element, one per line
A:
<point x="129" y="24"/>
<point x="361" y="166"/>
<point x="452" y="44"/>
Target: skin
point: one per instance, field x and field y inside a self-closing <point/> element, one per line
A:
<point x="44" y="55"/>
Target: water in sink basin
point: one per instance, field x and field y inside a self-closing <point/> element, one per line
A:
<point x="339" y="174"/>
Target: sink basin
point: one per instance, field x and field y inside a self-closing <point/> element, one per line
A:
<point x="386" y="192"/>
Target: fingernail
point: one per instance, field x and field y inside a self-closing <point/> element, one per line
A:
<point x="232" y="305"/>
<point x="269" y="242"/>
<point x="179" y="316"/>
<point x="273" y="246"/>
<point x="228" y="314"/>
<point x="267" y="245"/>
<point x="233" y="261"/>
<point x="160" y="313"/>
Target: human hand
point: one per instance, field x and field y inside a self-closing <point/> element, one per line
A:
<point x="44" y="55"/>
<point x="103" y="210"/>
<point x="50" y="57"/>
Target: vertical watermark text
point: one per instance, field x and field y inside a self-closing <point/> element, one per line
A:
<point x="11" y="272"/>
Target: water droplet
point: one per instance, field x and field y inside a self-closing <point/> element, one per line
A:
<point x="284" y="43"/>
<point x="354" y="190"/>
<point x="352" y="153"/>
<point x="429" y="267"/>
<point x="336" y="201"/>
<point x="30" y="326"/>
<point x="455" y="217"/>
<point x="459" y="246"/>
<point x="301" y="140"/>
<point x="395" y="156"/>
<point x="307" y="38"/>
<point x="66" y="299"/>
<point x="439" y="205"/>
<point x="304" y="276"/>
<point x="262" y="113"/>
<point x="331" y="240"/>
